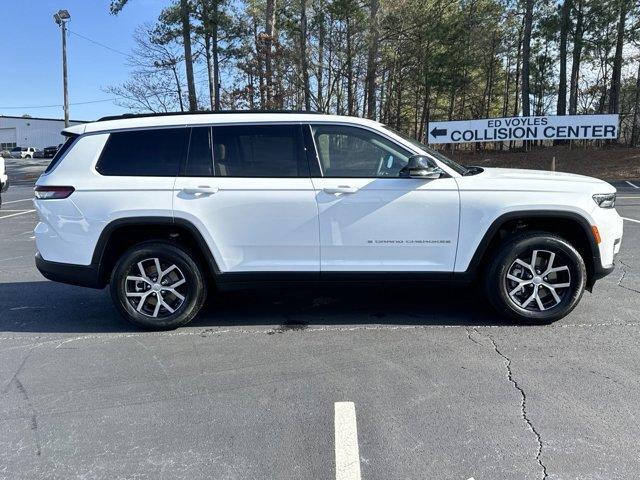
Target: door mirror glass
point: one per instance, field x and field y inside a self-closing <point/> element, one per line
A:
<point x="420" y="166"/>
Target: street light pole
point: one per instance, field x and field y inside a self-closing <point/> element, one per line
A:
<point x="64" y="74"/>
<point x="61" y="18"/>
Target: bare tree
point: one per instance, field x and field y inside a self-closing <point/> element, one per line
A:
<point x="372" y="59"/>
<point x="526" y="57"/>
<point x="117" y="5"/>
<point x="304" y="64"/>
<point x="576" y="57"/>
<point x="614" y="93"/>
<point x="565" y="20"/>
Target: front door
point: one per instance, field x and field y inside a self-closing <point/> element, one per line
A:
<point x="248" y="189"/>
<point x="373" y="220"/>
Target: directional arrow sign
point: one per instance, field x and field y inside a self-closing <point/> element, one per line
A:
<point x="437" y="132"/>
<point x="550" y="127"/>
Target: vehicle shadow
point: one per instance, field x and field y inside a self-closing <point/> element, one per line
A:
<point x="47" y="307"/>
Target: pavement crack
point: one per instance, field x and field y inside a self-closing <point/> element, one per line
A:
<point x="468" y="330"/>
<point x="33" y="418"/>
<point x="523" y="399"/>
<point x="624" y="268"/>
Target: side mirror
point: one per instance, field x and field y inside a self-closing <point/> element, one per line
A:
<point x="422" y="167"/>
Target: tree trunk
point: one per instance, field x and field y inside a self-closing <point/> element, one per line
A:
<point x="565" y="20"/>
<point x="635" y="133"/>
<point x="372" y="57"/>
<point x="304" y="67"/>
<point x="576" y="58"/>
<point x="614" y="93"/>
<point x="488" y="90"/>
<point x="188" y="58"/>
<point x="526" y="57"/>
<point x="507" y="85"/>
<point x="216" y="61"/>
<point x="178" y="86"/>
<point x="516" y="102"/>
<point x="349" y="68"/>
<point x="320" y="71"/>
<point x="207" y="54"/>
<point x="261" y="86"/>
<point x="270" y="23"/>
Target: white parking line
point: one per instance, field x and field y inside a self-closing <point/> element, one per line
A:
<point x="16" y="214"/>
<point x="632" y="184"/>
<point x="347" y="452"/>
<point x="631" y="220"/>
<point x="16" y="201"/>
<point x="636" y="197"/>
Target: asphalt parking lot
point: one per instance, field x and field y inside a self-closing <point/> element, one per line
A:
<point x="254" y="388"/>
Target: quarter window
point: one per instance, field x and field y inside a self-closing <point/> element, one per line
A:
<point x="60" y="153"/>
<point x="346" y="151"/>
<point x="258" y="151"/>
<point x="154" y="153"/>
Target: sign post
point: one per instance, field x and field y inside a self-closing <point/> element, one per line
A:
<point x="549" y="127"/>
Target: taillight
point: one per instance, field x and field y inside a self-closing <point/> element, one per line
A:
<point x="50" y="193"/>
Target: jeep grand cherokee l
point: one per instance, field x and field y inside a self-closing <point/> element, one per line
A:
<point x="164" y="208"/>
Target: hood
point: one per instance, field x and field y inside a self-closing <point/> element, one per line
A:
<point x="536" y="180"/>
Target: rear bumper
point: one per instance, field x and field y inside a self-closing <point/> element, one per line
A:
<point x="82" y="275"/>
<point x="4" y="183"/>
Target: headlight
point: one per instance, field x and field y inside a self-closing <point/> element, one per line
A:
<point x="605" y="200"/>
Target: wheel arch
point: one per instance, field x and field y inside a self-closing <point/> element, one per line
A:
<point x="122" y="233"/>
<point x="572" y="226"/>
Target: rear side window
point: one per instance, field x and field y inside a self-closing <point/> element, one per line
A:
<point x="152" y="153"/>
<point x="200" y="158"/>
<point x="60" y="153"/>
<point x="259" y="151"/>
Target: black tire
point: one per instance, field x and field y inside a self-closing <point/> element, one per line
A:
<point x="183" y="266"/>
<point x="499" y="289"/>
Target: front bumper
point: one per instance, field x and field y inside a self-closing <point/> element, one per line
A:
<point x="82" y="275"/>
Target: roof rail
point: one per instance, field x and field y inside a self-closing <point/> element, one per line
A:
<point x="200" y="112"/>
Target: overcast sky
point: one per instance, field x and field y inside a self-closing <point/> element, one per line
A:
<point x="31" y="58"/>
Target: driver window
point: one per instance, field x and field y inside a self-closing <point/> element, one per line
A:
<point x="355" y="152"/>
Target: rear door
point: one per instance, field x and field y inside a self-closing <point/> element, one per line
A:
<point x="248" y="189"/>
<point x="371" y="219"/>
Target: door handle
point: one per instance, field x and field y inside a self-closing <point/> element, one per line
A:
<point x="202" y="189"/>
<point x="340" y="189"/>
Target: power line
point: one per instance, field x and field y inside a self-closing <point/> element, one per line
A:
<point x="59" y="105"/>
<point x="99" y="44"/>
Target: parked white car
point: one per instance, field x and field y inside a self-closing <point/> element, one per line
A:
<point x="23" y="152"/>
<point x="4" y="179"/>
<point x="161" y="207"/>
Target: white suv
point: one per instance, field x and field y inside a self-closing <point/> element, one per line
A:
<point x="23" y="152"/>
<point x="163" y="207"/>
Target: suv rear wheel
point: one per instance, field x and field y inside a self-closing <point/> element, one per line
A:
<point x="157" y="286"/>
<point x="536" y="277"/>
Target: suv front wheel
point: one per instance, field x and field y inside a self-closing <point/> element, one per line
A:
<point x="536" y="277"/>
<point x="157" y="286"/>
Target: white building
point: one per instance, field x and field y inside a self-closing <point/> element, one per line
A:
<point x="31" y="132"/>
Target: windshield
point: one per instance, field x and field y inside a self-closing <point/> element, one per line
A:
<point x="434" y="153"/>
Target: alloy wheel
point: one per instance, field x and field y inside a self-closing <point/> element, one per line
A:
<point x="538" y="281"/>
<point x="155" y="288"/>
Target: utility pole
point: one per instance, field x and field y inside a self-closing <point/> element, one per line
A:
<point x="61" y="18"/>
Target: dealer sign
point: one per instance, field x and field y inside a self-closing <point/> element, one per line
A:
<point x="551" y="127"/>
